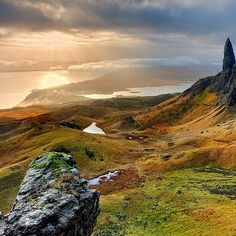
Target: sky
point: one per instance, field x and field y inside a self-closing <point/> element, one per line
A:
<point x="92" y="34"/>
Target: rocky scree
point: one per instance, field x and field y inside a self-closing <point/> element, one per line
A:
<point x="53" y="200"/>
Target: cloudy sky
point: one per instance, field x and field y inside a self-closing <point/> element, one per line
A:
<point x="44" y="34"/>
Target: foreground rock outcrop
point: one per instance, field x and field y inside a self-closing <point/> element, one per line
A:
<point x="53" y="200"/>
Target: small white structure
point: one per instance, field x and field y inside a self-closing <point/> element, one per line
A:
<point x="93" y="129"/>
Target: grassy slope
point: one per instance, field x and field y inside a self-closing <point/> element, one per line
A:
<point x="179" y="110"/>
<point x="10" y="180"/>
<point x="176" y="203"/>
<point x="21" y="113"/>
<point x="109" y="153"/>
<point x="154" y="196"/>
<point x="22" y="147"/>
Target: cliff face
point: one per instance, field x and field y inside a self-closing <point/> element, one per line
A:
<point x="53" y="200"/>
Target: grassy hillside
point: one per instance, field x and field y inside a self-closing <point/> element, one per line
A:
<point x="178" y="182"/>
<point x="26" y="133"/>
<point x="187" y="202"/>
<point x="180" y="109"/>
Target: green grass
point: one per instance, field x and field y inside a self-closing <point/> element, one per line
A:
<point x="232" y="112"/>
<point x="174" y="204"/>
<point x="30" y="146"/>
<point x="216" y="170"/>
<point x="10" y="180"/>
<point x="133" y="103"/>
<point x="191" y="202"/>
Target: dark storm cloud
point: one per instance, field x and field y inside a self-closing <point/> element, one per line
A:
<point x="13" y="14"/>
<point x="169" y="16"/>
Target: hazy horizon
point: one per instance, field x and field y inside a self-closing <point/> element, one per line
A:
<point x="46" y="43"/>
<point x="15" y="86"/>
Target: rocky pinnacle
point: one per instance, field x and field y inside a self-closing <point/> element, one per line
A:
<point x="229" y="58"/>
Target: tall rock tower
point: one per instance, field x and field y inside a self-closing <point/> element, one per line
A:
<point x="229" y="58"/>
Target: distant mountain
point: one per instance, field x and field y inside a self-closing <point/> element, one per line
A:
<point x="204" y="101"/>
<point x="117" y="81"/>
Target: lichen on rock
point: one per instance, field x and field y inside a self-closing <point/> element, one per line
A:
<point x="53" y="200"/>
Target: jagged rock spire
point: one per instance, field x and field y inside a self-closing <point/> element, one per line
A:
<point x="229" y="58"/>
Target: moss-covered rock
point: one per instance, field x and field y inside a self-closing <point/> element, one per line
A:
<point x="53" y="200"/>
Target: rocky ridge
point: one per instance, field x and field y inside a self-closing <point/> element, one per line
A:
<point x="53" y="200"/>
<point x="222" y="84"/>
<point x="208" y="97"/>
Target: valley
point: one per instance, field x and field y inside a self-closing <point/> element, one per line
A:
<point x="164" y="165"/>
<point x="117" y="118"/>
<point x="170" y="179"/>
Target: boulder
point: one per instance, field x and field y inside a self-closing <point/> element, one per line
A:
<point x="166" y="157"/>
<point x="53" y="200"/>
<point x="170" y="143"/>
<point x="90" y="154"/>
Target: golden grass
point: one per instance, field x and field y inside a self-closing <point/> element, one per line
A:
<point x="151" y="196"/>
<point x="22" y="113"/>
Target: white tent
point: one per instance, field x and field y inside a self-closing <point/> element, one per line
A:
<point x="93" y="129"/>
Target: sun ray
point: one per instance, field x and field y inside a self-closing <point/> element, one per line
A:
<point x="52" y="79"/>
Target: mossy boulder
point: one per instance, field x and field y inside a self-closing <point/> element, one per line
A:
<point x="53" y="200"/>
